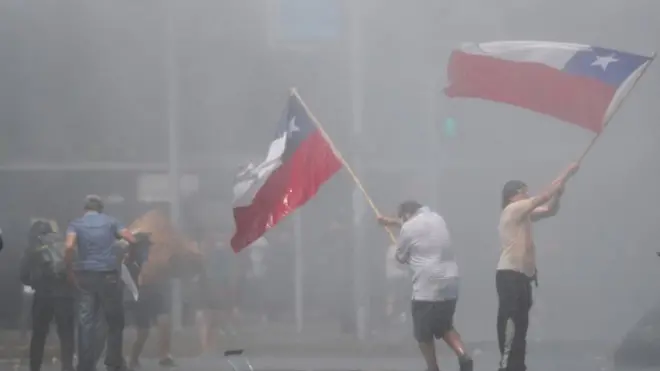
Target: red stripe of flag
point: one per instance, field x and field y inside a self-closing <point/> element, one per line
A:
<point x="289" y="187"/>
<point x="579" y="100"/>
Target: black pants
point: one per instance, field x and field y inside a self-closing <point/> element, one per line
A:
<point x="44" y="309"/>
<point x="100" y="293"/>
<point x="514" y="290"/>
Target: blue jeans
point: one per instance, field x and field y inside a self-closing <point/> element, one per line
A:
<point x="100" y="293"/>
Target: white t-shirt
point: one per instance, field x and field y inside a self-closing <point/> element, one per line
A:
<point x="424" y="244"/>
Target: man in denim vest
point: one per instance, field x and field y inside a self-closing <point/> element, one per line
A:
<point x="96" y="272"/>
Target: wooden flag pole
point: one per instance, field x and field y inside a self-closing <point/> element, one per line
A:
<point x="616" y="108"/>
<point x="348" y="168"/>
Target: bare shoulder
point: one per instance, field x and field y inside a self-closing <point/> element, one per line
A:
<point x="517" y="209"/>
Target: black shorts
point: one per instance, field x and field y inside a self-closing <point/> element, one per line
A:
<point x="432" y="319"/>
<point x="153" y="302"/>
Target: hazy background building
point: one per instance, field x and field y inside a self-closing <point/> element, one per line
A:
<point x="84" y="108"/>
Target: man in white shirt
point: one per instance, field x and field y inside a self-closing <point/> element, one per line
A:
<point x="425" y="246"/>
<point x="516" y="268"/>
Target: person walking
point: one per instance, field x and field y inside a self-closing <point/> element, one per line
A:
<point x="42" y="269"/>
<point x="154" y="309"/>
<point x="96" y="274"/>
<point x="425" y="245"/>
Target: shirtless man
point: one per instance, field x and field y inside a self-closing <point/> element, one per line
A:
<point x="517" y="265"/>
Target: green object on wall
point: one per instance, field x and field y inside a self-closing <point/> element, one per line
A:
<point x="450" y="127"/>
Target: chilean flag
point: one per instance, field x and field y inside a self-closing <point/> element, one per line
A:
<point x="300" y="159"/>
<point x="579" y="84"/>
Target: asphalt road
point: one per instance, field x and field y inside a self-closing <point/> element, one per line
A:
<point x="538" y="360"/>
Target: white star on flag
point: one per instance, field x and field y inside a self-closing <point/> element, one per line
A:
<point x="292" y="125"/>
<point x="604" y="61"/>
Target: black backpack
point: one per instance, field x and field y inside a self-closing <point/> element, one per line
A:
<point x="48" y="258"/>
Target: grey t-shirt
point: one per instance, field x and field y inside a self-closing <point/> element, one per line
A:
<point x="424" y="244"/>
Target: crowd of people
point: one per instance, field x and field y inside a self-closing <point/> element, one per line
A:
<point x="99" y="273"/>
<point x="82" y="281"/>
<point x="75" y="280"/>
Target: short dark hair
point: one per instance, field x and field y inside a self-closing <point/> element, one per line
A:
<point x="511" y="189"/>
<point x="38" y="229"/>
<point x="93" y="203"/>
<point x="408" y="207"/>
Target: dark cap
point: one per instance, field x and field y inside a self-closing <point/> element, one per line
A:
<point x="510" y="189"/>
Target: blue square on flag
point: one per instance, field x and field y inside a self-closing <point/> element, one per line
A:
<point x="580" y="84"/>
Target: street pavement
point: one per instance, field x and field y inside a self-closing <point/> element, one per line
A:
<point x="279" y="348"/>
<point x="539" y="359"/>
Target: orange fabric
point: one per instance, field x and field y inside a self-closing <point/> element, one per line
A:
<point x="167" y="241"/>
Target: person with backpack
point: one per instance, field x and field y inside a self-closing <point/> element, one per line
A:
<point x="43" y="269"/>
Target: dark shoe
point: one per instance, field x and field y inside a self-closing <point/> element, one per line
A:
<point x="465" y="363"/>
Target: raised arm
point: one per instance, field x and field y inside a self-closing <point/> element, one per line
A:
<point x="548" y="210"/>
<point x="389" y="222"/>
<point x="552" y="193"/>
